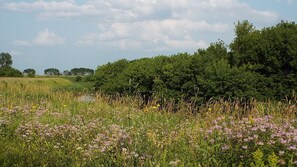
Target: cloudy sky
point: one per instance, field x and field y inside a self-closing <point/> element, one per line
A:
<point x="65" y="34"/>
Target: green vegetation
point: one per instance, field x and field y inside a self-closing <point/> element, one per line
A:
<point x="81" y="71"/>
<point x="52" y="72"/>
<point x="5" y="67"/>
<point x="29" y="72"/>
<point x="233" y="106"/>
<point x="43" y="124"/>
<point x="259" y="64"/>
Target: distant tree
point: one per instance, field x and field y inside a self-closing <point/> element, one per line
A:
<point x="51" y="71"/>
<point x="66" y="72"/>
<point x="5" y="60"/>
<point x="5" y="66"/>
<point x="82" y="71"/>
<point x="29" y="72"/>
<point x="10" y="72"/>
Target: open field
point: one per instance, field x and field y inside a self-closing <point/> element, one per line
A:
<point x="44" y="122"/>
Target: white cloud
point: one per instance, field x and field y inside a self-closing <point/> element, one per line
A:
<point x="43" y="38"/>
<point x="152" y="34"/>
<point x="147" y="24"/>
<point x="53" y="9"/>
<point x="140" y="9"/>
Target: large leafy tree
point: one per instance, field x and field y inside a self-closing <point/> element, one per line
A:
<point x="51" y="71"/>
<point x="271" y="52"/>
<point x="82" y="71"/>
<point x="5" y="60"/>
<point x="30" y="72"/>
<point x="108" y="77"/>
<point x="5" y="66"/>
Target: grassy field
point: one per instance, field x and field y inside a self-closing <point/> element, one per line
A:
<point x="55" y="122"/>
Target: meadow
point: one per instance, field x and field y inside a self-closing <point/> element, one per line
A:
<point x="56" y="122"/>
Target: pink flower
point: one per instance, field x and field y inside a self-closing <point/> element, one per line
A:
<point x="280" y="153"/>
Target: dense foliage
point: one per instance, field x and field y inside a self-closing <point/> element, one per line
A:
<point x="258" y="64"/>
<point x="5" y="66"/>
<point x="29" y="72"/>
<point x="52" y="71"/>
<point x="43" y="123"/>
<point x="81" y="71"/>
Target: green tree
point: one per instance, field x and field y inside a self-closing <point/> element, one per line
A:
<point x="5" y="60"/>
<point x="10" y="72"/>
<point x="5" y="66"/>
<point x="51" y="71"/>
<point x="29" y="72"/>
<point x="82" y="71"/>
<point x="66" y="72"/>
<point x="258" y="64"/>
<point x="270" y="52"/>
<point x="107" y="77"/>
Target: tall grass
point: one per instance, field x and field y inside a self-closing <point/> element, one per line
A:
<point x="43" y="123"/>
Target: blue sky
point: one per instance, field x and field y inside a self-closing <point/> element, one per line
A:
<point x="66" y="34"/>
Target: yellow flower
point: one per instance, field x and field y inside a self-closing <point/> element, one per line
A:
<point x="64" y="105"/>
<point x="145" y="109"/>
<point x="251" y="119"/>
<point x="209" y="109"/>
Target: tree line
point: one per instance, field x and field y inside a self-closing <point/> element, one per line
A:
<point x="258" y="63"/>
<point x="6" y="69"/>
<point x="75" y="72"/>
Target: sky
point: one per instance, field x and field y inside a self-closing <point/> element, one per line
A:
<point x="66" y="34"/>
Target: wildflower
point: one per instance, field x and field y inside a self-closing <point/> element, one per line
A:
<point x="174" y="163"/>
<point x="212" y="141"/>
<point x="280" y="153"/>
<point x="145" y="109"/>
<point x="271" y="142"/>
<point x="154" y="107"/>
<point x="209" y="109"/>
<point x="282" y="162"/>
<point x="64" y="105"/>
<point x="283" y="141"/>
<point x="79" y="148"/>
<point x="217" y="127"/>
<point x="251" y="120"/>
<point x="292" y="147"/>
<point x="239" y="135"/>
<point x="244" y="147"/>
<point x="125" y="150"/>
<point x="225" y="147"/>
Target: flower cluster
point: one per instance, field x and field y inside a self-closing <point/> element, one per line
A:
<point x="247" y="135"/>
<point x="114" y="139"/>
